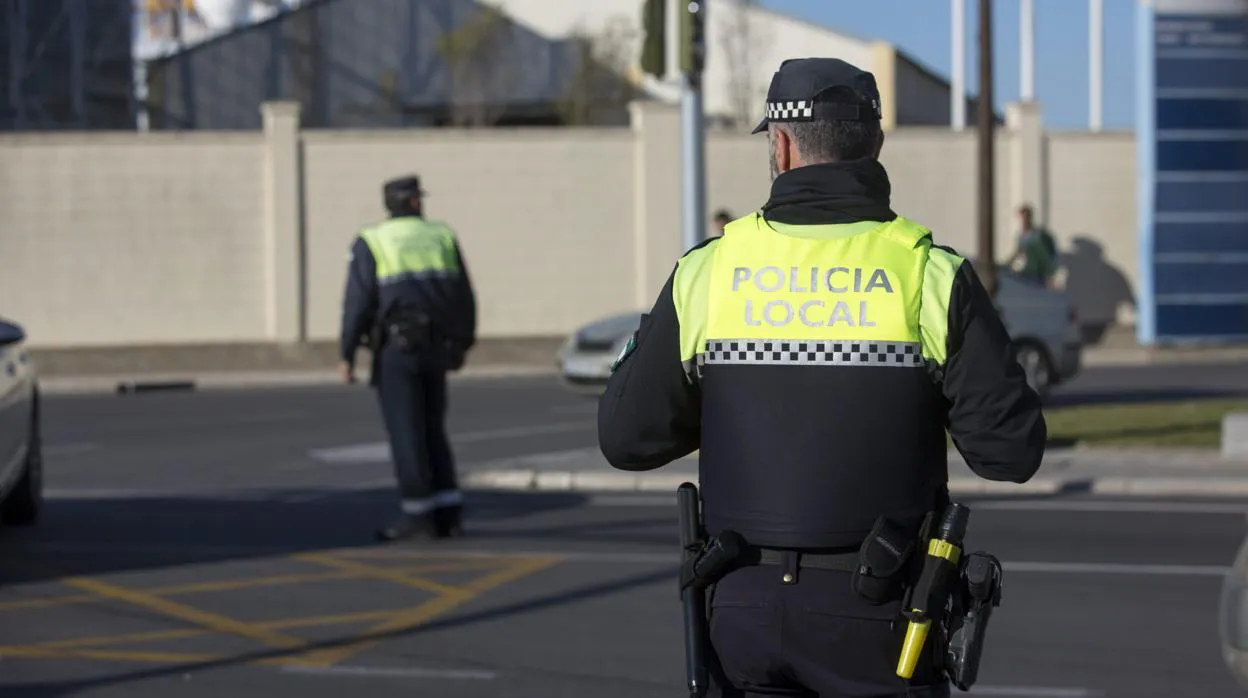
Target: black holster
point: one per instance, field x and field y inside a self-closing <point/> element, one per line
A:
<point x="975" y="595"/>
<point x="411" y="331"/>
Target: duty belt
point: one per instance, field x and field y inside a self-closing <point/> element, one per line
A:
<point x="841" y="562"/>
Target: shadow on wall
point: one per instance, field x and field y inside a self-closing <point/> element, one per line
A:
<point x="1097" y="288"/>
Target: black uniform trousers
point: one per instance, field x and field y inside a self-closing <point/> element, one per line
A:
<point x="413" y="395"/>
<point x="814" y="637"/>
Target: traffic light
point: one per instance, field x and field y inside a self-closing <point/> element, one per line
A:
<point x="654" y="43"/>
<point x="693" y="37"/>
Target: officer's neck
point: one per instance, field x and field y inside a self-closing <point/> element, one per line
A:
<point x="831" y="192"/>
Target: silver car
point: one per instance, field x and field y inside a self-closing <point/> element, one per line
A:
<point x="1041" y="321"/>
<point x="21" y="453"/>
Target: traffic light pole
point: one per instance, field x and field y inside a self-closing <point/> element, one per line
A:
<point x="693" y="137"/>
<point x="693" y="145"/>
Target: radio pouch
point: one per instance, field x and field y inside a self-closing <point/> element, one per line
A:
<point x="882" y="560"/>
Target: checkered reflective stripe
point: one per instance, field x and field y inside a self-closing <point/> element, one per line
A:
<point x="821" y="353"/>
<point x="787" y="111"/>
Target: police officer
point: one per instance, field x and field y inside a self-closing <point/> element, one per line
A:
<point x="815" y="354"/>
<point x="409" y="293"/>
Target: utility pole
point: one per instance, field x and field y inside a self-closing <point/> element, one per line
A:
<point x="693" y="137"/>
<point x="1096" y="62"/>
<point x="957" y="83"/>
<point x="986" y="128"/>
<point x="1027" y="50"/>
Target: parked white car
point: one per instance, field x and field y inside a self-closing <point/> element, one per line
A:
<point x="1041" y="321"/>
<point x="21" y="455"/>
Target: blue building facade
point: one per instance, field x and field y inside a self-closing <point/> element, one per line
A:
<point x="1193" y="171"/>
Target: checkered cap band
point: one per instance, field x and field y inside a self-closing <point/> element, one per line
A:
<point x="791" y="111"/>
<point x="788" y="352"/>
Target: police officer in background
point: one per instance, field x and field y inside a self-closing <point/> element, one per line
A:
<point x="815" y="354"/>
<point x="409" y="294"/>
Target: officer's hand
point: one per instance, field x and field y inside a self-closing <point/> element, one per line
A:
<point x="347" y="371"/>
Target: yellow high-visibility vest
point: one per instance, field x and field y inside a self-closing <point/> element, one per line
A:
<point x="864" y="294"/>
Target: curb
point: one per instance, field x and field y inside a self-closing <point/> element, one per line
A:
<point x="581" y="481"/>
<point x="134" y="384"/>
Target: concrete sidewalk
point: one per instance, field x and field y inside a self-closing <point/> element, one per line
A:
<point x="1153" y="472"/>
<point x="229" y="380"/>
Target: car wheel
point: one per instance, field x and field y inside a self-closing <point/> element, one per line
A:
<point x="1036" y="366"/>
<point x="21" y="507"/>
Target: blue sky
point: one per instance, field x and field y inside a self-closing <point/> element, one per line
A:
<point x="921" y="29"/>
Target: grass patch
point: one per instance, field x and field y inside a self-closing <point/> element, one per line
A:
<point x="1180" y="424"/>
<point x="1188" y="423"/>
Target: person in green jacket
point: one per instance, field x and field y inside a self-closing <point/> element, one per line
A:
<point x="1036" y="257"/>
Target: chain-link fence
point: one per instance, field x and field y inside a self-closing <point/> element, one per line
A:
<point x="386" y="63"/>
<point x="66" y="65"/>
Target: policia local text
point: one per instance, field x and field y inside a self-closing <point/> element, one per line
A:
<point x="781" y="312"/>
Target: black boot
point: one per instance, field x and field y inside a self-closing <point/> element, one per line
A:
<point x="449" y="521"/>
<point x="410" y="527"/>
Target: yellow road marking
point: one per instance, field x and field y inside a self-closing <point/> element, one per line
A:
<point x="46" y="603"/>
<point x="236" y="584"/>
<point x="399" y="577"/>
<point x="422" y="613"/>
<point x="182" y="612"/>
<point x="185" y="633"/>
<point x="397" y="620"/>
<point x="153" y="657"/>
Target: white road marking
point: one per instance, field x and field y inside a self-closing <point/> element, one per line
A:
<point x="583" y="409"/>
<point x="1113" y="507"/>
<point x="1091" y="506"/>
<point x="393" y="673"/>
<point x="514" y="432"/>
<point x="1114" y="568"/>
<point x="622" y="558"/>
<point x="379" y="451"/>
<point x="1033" y="692"/>
<point x="69" y="449"/>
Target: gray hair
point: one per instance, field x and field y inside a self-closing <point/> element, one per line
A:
<point x="831" y="141"/>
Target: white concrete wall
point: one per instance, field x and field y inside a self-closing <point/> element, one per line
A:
<point x="129" y="239"/>
<point x="550" y="209"/>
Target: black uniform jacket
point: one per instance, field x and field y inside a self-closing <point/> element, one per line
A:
<point x="365" y="303"/>
<point x="650" y="412"/>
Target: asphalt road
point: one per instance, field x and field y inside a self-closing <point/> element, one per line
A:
<point x="218" y="544"/>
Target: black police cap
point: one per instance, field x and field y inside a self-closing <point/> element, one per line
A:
<point x="403" y="188"/>
<point x="805" y="89"/>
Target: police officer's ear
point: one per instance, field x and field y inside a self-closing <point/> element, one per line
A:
<point x="782" y="150"/>
<point x="879" y="143"/>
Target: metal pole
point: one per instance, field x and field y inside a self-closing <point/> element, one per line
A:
<point x="18" y="35"/>
<point x="986" y="128"/>
<point x="694" y="181"/>
<point x="77" y="62"/>
<point x="1027" y="50"/>
<point x="957" y="85"/>
<point x="1096" y="60"/>
<point x="693" y="137"/>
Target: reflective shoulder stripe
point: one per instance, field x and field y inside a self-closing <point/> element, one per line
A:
<point x="744" y="224"/>
<point x="905" y="232"/>
<point x="938" y="276"/>
<point x="691" y="296"/>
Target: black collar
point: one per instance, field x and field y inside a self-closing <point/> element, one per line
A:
<point x="831" y="193"/>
